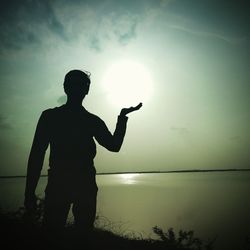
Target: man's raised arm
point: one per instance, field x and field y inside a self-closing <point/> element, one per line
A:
<point x="114" y="142"/>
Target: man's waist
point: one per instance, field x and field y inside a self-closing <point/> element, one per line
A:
<point x="72" y="168"/>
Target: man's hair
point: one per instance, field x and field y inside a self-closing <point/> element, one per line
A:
<point x="76" y="76"/>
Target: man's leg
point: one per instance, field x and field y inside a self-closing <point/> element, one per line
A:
<point x="56" y="210"/>
<point x="84" y="211"/>
<point x="57" y="201"/>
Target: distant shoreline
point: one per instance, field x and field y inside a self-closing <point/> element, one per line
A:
<point x="152" y="172"/>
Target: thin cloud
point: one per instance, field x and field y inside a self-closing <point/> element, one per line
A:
<point x="95" y="44"/>
<point x="4" y="123"/>
<point x="121" y="29"/>
<point x="180" y="130"/>
<point x="165" y="3"/>
<point x="25" y="22"/>
<point x="125" y="28"/>
<point x="235" y="138"/>
<point x="225" y="38"/>
<point x="34" y="23"/>
<point x="62" y="99"/>
<point x="223" y="20"/>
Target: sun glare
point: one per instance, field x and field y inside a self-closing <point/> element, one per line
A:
<point x="129" y="178"/>
<point x="127" y="83"/>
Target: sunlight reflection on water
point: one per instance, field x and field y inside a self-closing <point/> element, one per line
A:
<point x="128" y="178"/>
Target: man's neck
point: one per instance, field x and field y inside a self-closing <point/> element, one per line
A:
<point x="74" y="105"/>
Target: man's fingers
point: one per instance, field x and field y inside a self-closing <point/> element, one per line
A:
<point x="138" y="106"/>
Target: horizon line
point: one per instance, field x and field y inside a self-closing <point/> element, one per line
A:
<point x="149" y="172"/>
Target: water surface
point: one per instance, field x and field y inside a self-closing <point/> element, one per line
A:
<point x="212" y="204"/>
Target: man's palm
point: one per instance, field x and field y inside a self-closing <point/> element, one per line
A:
<point x="126" y="111"/>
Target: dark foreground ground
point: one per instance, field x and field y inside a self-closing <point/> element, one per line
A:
<point x="21" y="231"/>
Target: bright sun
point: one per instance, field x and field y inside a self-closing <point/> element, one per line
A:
<point x="127" y="83"/>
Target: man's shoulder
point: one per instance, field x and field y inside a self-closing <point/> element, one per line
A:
<point x="56" y="112"/>
<point x="92" y="116"/>
<point x="52" y="111"/>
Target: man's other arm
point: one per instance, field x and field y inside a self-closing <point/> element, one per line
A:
<point x="35" y="161"/>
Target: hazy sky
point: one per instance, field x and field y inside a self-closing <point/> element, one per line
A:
<point x="187" y="60"/>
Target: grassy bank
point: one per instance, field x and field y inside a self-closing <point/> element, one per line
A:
<point x="20" y="230"/>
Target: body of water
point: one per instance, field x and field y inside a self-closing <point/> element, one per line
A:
<point x="213" y="204"/>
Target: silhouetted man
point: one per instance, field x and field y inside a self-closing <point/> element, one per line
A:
<point x="70" y="130"/>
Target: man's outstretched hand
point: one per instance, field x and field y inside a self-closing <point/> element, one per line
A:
<point x="126" y="111"/>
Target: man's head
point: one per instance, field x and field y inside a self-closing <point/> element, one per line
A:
<point x="76" y="84"/>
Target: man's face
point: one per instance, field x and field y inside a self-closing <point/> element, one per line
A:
<point x="77" y="89"/>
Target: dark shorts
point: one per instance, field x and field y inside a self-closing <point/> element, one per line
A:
<point x="66" y="189"/>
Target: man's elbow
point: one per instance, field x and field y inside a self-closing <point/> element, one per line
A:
<point x="114" y="148"/>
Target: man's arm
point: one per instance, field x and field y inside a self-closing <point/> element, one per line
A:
<point x="35" y="162"/>
<point x="114" y="142"/>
